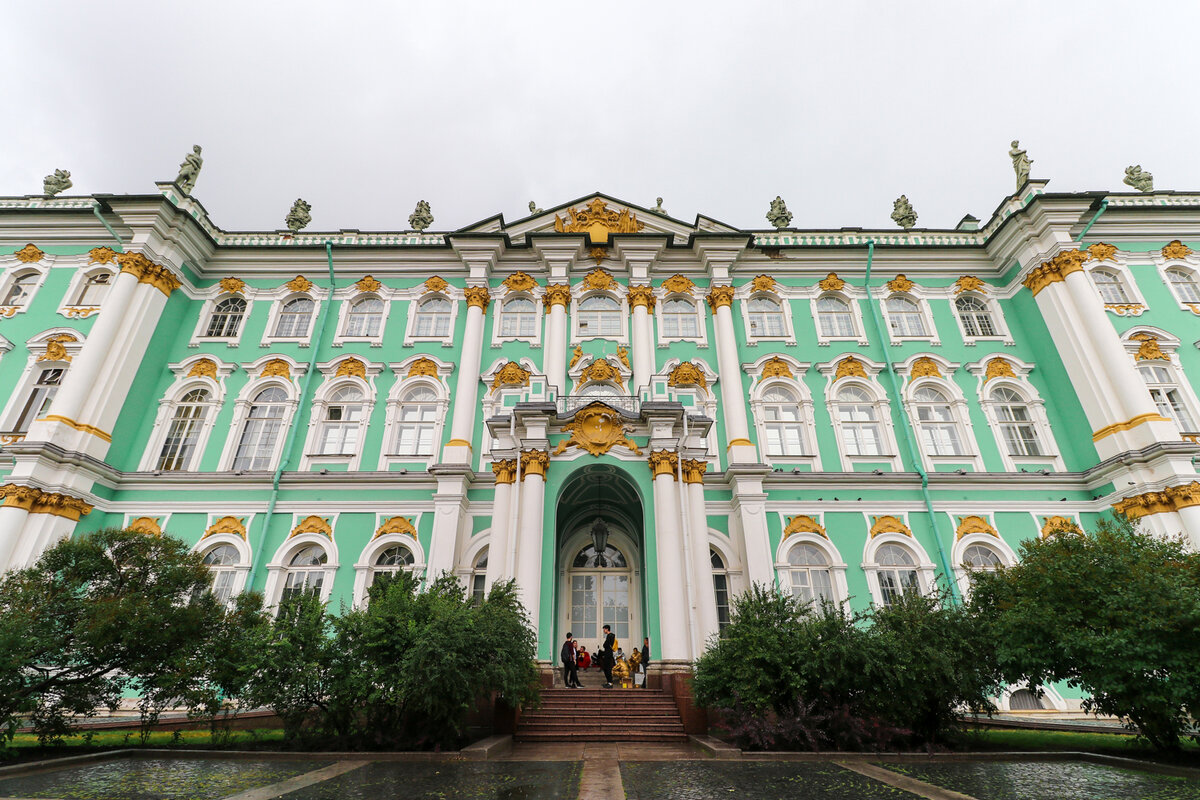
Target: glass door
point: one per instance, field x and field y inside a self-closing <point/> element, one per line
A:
<point x="582" y="622"/>
<point x="615" y="598"/>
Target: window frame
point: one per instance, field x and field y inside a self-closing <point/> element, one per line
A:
<point x="837" y="565"/>
<point x="746" y="295"/>
<point x="962" y="574"/>
<point x="170" y="400"/>
<point x="199" y="335"/>
<point x="1134" y="305"/>
<point x="1190" y="266"/>
<point x="579" y="335"/>
<point x="960" y="414"/>
<point x="758" y="407"/>
<point x="995" y="312"/>
<point x="72" y="306"/>
<point x="241" y="570"/>
<point x="322" y="400"/>
<point x="245" y="400"/>
<point x="9" y="280"/>
<point x="539" y="312"/>
<point x="364" y="567"/>
<point x="1168" y="345"/>
<point x="390" y="461"/>
<point x="346" y="305"/>
<point x="1033" y="402"/>
<point x="277" y="568"/>
<point x="315" y="295"/>
<point x="451" y="296"/>
<point x="923" y="312"/>
<point x="23" y="388"/>
<point x="697" y="315"/>
<point x="922" y="564"/>
<point x="877" y="398"/>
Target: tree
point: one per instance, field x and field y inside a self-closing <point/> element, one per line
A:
<point x="1116" y="614"/>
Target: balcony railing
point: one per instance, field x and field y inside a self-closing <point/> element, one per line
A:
<point x="629" y="406"/>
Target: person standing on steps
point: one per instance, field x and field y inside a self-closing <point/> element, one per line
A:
<point x="570" y="675"/>
<point x="607" y="659"/>
<point x="646" y="662"/>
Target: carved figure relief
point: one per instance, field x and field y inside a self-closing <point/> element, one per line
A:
<point x="598" y="280"/>
<point x="276" y="367"/>
<point x="435" y="283"/>
<point x="598" y="221"/>
<point x="421" y="218"/>
<point x="511" y="374"/>
<point x="396" y="525"/>
<point x="29" y="254"/>
<point x="1055" y="525"/>
<point x="600" y="369"/>
<point x="998" y="368"/>
<point x="778" y="214"/>
<point x="313" y="524"/>
<point x="423" y="366"/>
<point x="925" y="367"/>
<point x="519" y="282"/>
<point x="974" y="524"/>
<point x="678" y="284"/>
<point x="101" y="255"/>
<point x="351" y="367"/>
<point x="576" y="354"/>
<point x="900" y="283"/>
<point x="776" y="367"/>
<point x="969" y="283"/>
<point x="146" y="525"/>
<point x="226" y="525"/>
<point x="763" y="283"/>
<point x="597" y="429"/>
<point x="368" y="284"/>
<point x="850" y="367"/>
<point x="1176" y="249"/>
<point x="232" y="285"/>
<point x="903" y="213"/>
<point x="299" y="217"/>
<point x="54" y="348"/>
<point x="888" y="524"/>
<point x="1149" y="349"/>
<point x="58" y="181"/>
<point x="204" y="368"/>
<point x="687" y="374"/>
<point x="623" y="356"/>
<point x="1102" y="252"/>
<point x="299" y="284"/>
<point x="802" y="523"/>
<point x="831" y="283"/>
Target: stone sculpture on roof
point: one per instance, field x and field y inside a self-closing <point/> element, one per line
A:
<point x="422" y="217"/>
<point x="60" y="181"/>
<point x="1021" y="162"/>
<point x="778" y="215"/>
<point x="533" y="208"/>
<point x="658" y="209"/>
<point x="299" y="216"/>
<point x="903" y="213"/>
<point x="189" y="170"/>
<point x="1139" y="179"/>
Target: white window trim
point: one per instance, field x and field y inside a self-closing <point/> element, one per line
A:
<point x="806" y="404"/>
<point x="926" y="316"/>
<point x="346" y="298"/>
<point x="926" y="572"/>
<point x="73" y="310"/>
<point x="1137" y="302"/>
<point x="745" y="294"/>
<point x="962" y="575"/>
<point x="1037" y="408"/>
<point x="882" y="410"/>
<point x="958" y="405"/>
<point x="539" y="313"/>
<point x="366" y="560"/>
<point x="735" y="572"/>
<point x="400" y="387"/>
<point x="1191" y="265"/>
<point x="316" y="417"/>
<point x="1003" y="334"/>
<point x="664" y="341"/>
<point x="578" y="295"/>
<point x="36" y="347"/>
<point x="282" y="297"/>
<point x="837" y="565"/>
<point x="170" y="401"/>
<point x="242" y="568"/>
<point x="575" y="373"/>
<point x="418" y="295"/>
<point x="245" y="400"/>
<point x="206" y="311"/>
<point x="9" y="277"/>
<point x="277" y="568"/>
<point x="859" y="336"/>
<point x="465" y="567"/>
<point x="1169" y="345"/>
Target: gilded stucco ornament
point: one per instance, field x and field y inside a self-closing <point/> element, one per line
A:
<point x="693" y="470"/>
<point x="29" y="254"/>
<point x="232" y="285"/>
<point x="598" y="221"/>
<point x="146" y="525"/>
<point x="422" y="366"/>
<point x="368" y="283"/>
<point x="576" y="354"/>
<point x="477" y="297"/>
<point x="597" y="429"/>
<point x="719" y="296"/>
<point x="998" y="368"/>
<point x="623" y="356"/>
<point x="598" y="280"/>
<point x="925" y="367"/>
<point x="313" y="524"/>
<point x="189" y="170"/>
<point x="1055" y="270"/>
<point x="641" y="296"/>
<point x="102" y="255"/>
<point x="1021" y="162"/>
<point x="505" y="470"/>
<point x="600" y="369"/>
<point x="687" y="374"/>
<point x="204" y="368"/>
<point x="1176" y="249"/>
<point x="1056" y="524"/>
<point x="802" y="523"/>
<point x="900" y="283"/>
<point x="969" y="283"/>
<point x="36" y="501"/>
<point x="974" y="524"/>
<point x="598" y="254"/>
<point x="519" y="282"/>
<point x="231" y="525"/>
<point x="1149" y="349"/>
<point x="146" y="271"/>
<point x="849" y="367"/>
<point x="276" y="368"/>
<point x="351" y="367"/>
<point x="888" y="524"/>
<point x="1173" y="498"/>
<point x="421" y="218"/>
<point x="776" y="367"/>
<point x="55" y="351"/>
<point x="663" y="462"/>
<point x="1102" y="251"/>
<point x="396" y="525"/>
<point x="1125" y="309"/>
<point x="1138" y="178"/>
<point x="299" y="284"/>
<point x="763" y="283"/>
<point x="778" y="214"/>
<point x="831" y="283"/>
<point x="299" y="216"/>
<point x="534" y="462"/>
<point x="556" y="294"/>
<point x="511" y="374"/>
<point x="56" y="182"/>
<point x="435" y="283"/>
<point x="678" y="284"/>
<point x="903" y="213"/>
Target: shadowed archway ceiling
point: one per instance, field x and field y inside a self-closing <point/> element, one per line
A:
<point x="599" y="490"/>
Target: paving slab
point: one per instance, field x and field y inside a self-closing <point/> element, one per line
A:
<point x="752" y="780"/>
<point x="462" y="780"/>
<point x="1051" y="780"/>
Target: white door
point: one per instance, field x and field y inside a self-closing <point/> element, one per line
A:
<point x="600" y="596"/>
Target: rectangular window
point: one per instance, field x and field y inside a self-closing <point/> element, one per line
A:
<point x="40" y="398"/>
<point x="721" y="589"/>
<point x="258" y="444"/>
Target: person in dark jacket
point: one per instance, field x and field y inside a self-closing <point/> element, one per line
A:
<point x="570" y="671"/>
<point x="607" y="659"/>
<point x="645" y="660"/>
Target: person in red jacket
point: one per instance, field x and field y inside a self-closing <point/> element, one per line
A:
<point x="585" y="659"/>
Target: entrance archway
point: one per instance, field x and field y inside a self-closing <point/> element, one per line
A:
<point x="600" y="558"/>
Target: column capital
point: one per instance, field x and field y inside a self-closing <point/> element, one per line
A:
<point x="146" y="271"/>
<point x="719" y="296"/>
<point x="505" y="470"/>
<point x="641" y="296"/>
<point x="534" y="462"/>
<point x="664" y="462"/>
<point x="35" y="501"/>
<point x="556" y="294"/>
<point x="693" y="470"/>
<point x="478" y="296"/>
<point x="1172" y="498"/>
<point x="1055" y="270"/>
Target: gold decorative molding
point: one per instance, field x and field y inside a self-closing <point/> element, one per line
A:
<point x="900" y="283"/>
<point x="367" y="283"/>
<point x="76" y="312"/>
<point x="1118" y="427"/>
<point x="693" y="470"/>
<point x="1185" y="496"/>
<point x="422" y="366"/>
<point x="204" y="368"/>
<point x="687" y="374"/>
<point x="55" y="351"/>
<point x="623" y="356"/>
<point x="1149" y="350"/>
<point x="8" y="311"/>
<point x="850" y="367"/>
<point x="739" y="443"/>
<point x="36" y="501"/>
<point x="226" y="525"/>
<point x="925" y="367"/>
<point x="1055" y="270"/>
<point x="719" y="297"/>
<point x="102" y="255"/>
<point x="641" y="296"/>
<point x="477" y="297"/>
<point x="351" y="367"/>
<point x="232" y="285"/>
<point x="276" y="367"/>
<point x="435" y="284"/>
<point x="519" y="282"/>
<point x="511" y="374"/>
<point x="396" y="525"/>
<point x="313" y="524"/>
<point x="762" y="283"/>
<point x="888" y="524"/>
<point x="598" y="254"/>
<point x="1102" y="252"/>
<point x="505" y="470"/>
<point x="974" y="524"/>
<point x="1125" y="309"/>
<point x="534" y="462"/>
<point x="831" y="283"/>
<point x="146" y="271"/>
<point x="969" y="283"/>
<point x="576" y="354"/>
<point x="678" y="284"/>
<point x="556" y="294"/>
<point x="459" y="443"/>
<point x="1056" y="524"/>
<point x="597" y="221"/>
<point x="600" y="369"/>
<point x="596" y="428"/>
<point x="13" y="438"/>
<point x="776" y="367"/>
<point x="299" y="284"/>
<point x="802" y="523"/>
<point x="1176" y="249"/>
<point x="146" y="525"/>
<point x="998" y="368"/>
<point x="79" y="426"/>
<point x="29" y="254"/>
<point x="663" y="462"/>
<point x="598" y="280"/>
<point x="1170" y="499"/>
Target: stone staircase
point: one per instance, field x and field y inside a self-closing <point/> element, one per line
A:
<point x="602" y="715"/>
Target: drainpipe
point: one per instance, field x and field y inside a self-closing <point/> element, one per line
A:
<point x="286" y="456"/>
<point x="120" y="244"/>
<point x="908" y="430"/>
<point x="1088" y="227"/>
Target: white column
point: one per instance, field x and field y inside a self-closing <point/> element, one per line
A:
<point x="750" y="505"/>
<point x="449" y="512"/>
<point x="674" y="642"/>
<point x="466" y="387"/>
<point x="12" y="526"/>
<point x="498" y="541"/>
<point x="554" y="361"/>
<point x="642" y="301"/>
<point x="733" y="396"/>
<point x="701" y="566"/>
<point x="529" y="531"/>
<point x="1189" y="516"/>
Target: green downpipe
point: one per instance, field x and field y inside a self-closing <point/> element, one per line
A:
<point x="286" y="457"/>
<point x="109" y="228"/>
<point x="1088" y="227"/>
<point x="907" y="431"/>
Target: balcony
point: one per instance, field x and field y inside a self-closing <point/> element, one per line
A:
<point x="628" y="406"/>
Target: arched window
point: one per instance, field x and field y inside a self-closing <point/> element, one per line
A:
<point x="20" y="290"/>
<point x="365" y="318"/>
<point x="95" y="286"/>
<point x="976" y="318"/>
<point x="835" y="317"/>
<point x="1166" y="394"/>
<point x="589" y="558"/>
<point x="433" y="317"/>
<point x="1109" y="286"/>
<point x="40" y="397"/>
<point x="343" y="419"/>
<point x="766" y="317"/>
<point x="226" y="319"/>
<point x="599" y="315"/>
<point x="222" y="561"/>
<point x="416" y="421"/>
<point x="598" y="389"/>
<point x="293" y="318"/>
<point x="518" y="317"/>
<point x="905" y="316"/>
<point x="720" y="588"/>
<point x="862" y="433"/>
<point x="393" y="559"/>
<point x="897" y="573"/>
<point x="305" y="573"/>
<point x="256" y="446"/>
<point x="936" y="419"/>
<point x="184" y="431"/>
<point x="782" y="422"/>
<point x="982" y="558"/>
<point x="1024" y="700"/>
<point x="809" y="575"/>
<point x="1184" y="284"/>
<point x="678" y="319"/>
<point x="478" y="580"/>
<point x="1016" y="423"/>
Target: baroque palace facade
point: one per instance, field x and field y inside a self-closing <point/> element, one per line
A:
<point x="633" y="416"/>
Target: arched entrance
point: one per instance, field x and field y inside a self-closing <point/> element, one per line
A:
<point x="601" y="579"/>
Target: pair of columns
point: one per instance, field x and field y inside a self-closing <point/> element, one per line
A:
<point x="518" y="517"/>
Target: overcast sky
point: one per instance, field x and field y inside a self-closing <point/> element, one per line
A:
<point x="478" y="107"/>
